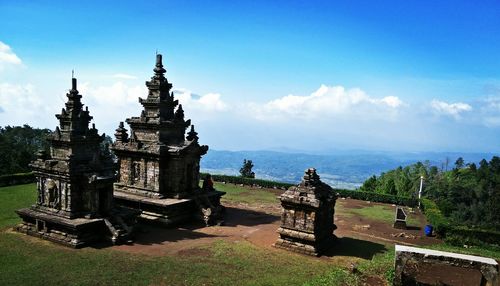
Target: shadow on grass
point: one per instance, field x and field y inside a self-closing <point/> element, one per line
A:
<point x="348" y="246"/>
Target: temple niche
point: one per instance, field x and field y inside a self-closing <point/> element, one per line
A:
<point x="159" y="165"/>
<point x="307" y="217"/>
<point x="74" y="205"/>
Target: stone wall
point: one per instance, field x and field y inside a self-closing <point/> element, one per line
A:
<point x="419" y="266"/>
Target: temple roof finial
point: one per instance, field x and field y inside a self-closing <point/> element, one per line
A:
<point x="73" y="83"/>
<point x="121" y="133"/>
<point x="192" y="135"/>
<point x="159" y="70"/>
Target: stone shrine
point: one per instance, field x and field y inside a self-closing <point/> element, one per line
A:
<point x="307" y="218"/>
<point x="75" y="185"/>
<point x="159" y="166"/>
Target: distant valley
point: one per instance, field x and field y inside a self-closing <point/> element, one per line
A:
<point x="338" y="169"/>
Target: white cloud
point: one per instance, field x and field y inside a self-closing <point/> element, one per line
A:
<point x="210" y="102"/>
<point x="123" y="76"/>
<point x="329" y="101"/>
<point x="21" y="104"/>
<point x="491" y="121"/>
<point x="489" y="110"/>
<point x="117" y="94"/>
<point x="451" y="109"/>
<point x="110" y="104"/>
<point x="392" y="101"/>
<point x="16" y="95"/>
<point x="492" y="103"/>
<point x="7" y="56"/>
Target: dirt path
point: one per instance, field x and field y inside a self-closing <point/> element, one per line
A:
<point x="258" y="224"/>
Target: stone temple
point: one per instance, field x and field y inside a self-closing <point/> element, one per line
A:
<point x="159" y="166"/>
<point x="75" y="185"/>
<point x="307" y="218"/>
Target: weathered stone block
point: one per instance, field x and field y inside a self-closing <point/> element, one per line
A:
<point x="419" y="266"/>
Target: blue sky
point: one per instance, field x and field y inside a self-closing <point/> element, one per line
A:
<point x="320" y="76"/>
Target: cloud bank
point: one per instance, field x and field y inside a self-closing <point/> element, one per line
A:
<point x="8" y="57"/>
<point x="329" y="116"/>
<point x="450" y="109"/>
<point x="329" y="101"/>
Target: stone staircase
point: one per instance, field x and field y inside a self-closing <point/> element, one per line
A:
<point x="120" y="232"/>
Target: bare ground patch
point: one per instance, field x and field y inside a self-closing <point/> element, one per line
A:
<point x="257" y="223"/>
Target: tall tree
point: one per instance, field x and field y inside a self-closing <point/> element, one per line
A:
<point x="18" y="147"/>
<point x="459" y="163"/>
<point x="246" y="169"/>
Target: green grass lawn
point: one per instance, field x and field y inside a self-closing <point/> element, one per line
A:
<point x="29" y="261"/>
<point x="26" y="260"/>
<point x="32" y="262"/>
<point x="490" y="251"/>
<point x="13" y="198"/>
<point x="379" y="213"/>
<point x="235" y="193"/>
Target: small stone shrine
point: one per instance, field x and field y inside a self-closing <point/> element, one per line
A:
<point x="159" y="167"/>
<point x="307" y="218"/>
<point x="75" y="185"/>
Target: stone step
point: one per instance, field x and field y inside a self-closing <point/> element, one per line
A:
<point x="120" y="231"/>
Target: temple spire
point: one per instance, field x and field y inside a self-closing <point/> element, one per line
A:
<point x="73" y="84"/>
<point x="192" y="135"/>
<point x="121" y="133"/>
<point x="73" y="81"/>
<point x="159" y="70"/>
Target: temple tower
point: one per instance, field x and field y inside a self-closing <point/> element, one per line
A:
<point x="159" y="166"/>
<point x="74" y="183"/>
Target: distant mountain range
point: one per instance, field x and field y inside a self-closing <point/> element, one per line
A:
<point x="342" y="169"/>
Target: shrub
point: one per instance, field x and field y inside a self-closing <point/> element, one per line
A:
<point x="462" y="235"/>
<point x="458" y="235"/>
<point x="377" y="197"/>
<point x="358" y="195"/>
<point x="16" y="179"/>
<point x="248" y="181"/>
<point x="435" y="217"/>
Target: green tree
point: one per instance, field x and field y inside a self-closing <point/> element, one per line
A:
<point x="18" y="147"/>
<point x="459" y="163"/>
<point x="370" y="184"/>
<point x="466" y="195"/>
<point x="246" y="169"/>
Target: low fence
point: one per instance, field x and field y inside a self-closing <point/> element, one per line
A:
<point x="379" y="198"/>
<point x="248" y="181"/>
<point x="358" y="195"/>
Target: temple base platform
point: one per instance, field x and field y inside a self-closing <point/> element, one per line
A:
<point x="201" y="206"/>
